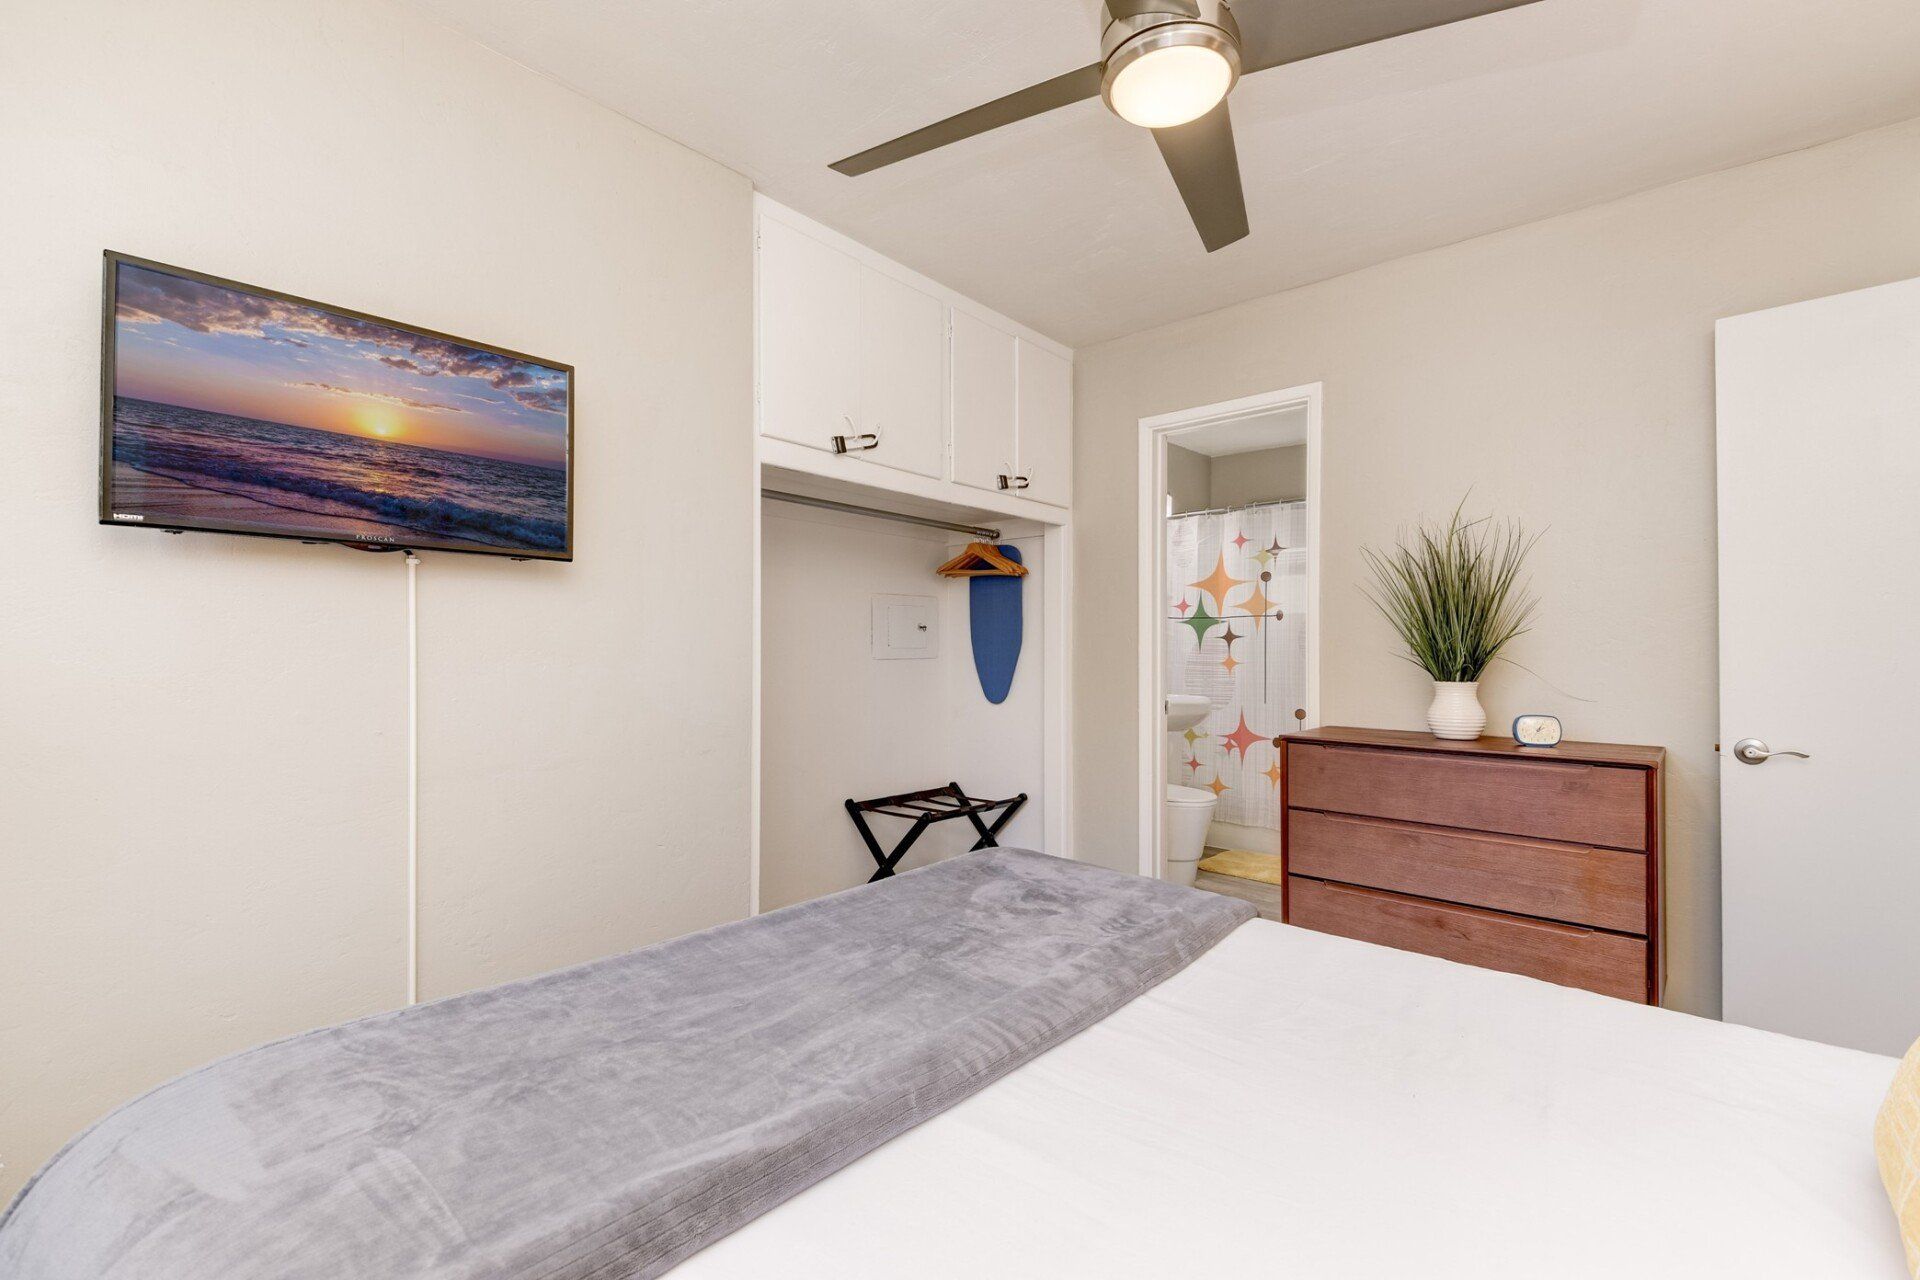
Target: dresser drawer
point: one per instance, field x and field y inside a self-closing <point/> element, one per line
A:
<point x="1605" y="888"/>
<point x="1572" y="957"/>
<point x="1550" y="799"/>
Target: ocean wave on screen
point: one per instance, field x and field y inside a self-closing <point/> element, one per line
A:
<point x="478" y="499"/>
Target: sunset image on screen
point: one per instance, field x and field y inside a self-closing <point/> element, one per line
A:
<point x="240" y="410"/>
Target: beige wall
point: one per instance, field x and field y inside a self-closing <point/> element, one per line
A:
<point x="1197" y="482"/>
<point x="201" y="738"/>
<point x="1260" y="475"/>
<point x="1562" y="371"/>
<point x="1189" y="479"/>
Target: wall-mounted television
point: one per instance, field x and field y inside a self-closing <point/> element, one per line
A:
<point x="230" y="408"/>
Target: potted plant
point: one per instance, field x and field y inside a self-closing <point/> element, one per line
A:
<point x="1452" y="592"/>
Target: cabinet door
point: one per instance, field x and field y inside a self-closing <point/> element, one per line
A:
<point x="1046" y="424"/>
<point x="808" y="315"/>
<point x="982" y="396"/>
<point x="903" y="374"/>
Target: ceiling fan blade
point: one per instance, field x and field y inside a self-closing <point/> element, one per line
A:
<point x="1201" y="158"/>
<point x="1275" y="32"/>
<point x="1119" y="10"/>
<point x="1074" y="86"/>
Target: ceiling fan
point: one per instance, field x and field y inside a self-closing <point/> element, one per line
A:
<point x="1168" y="65"/>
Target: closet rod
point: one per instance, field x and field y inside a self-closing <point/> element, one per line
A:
<point x="828" y="504"/>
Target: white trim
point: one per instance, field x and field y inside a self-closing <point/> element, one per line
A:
<point x="754" y="681"/>
<point x="1152" y="516"/>
<point x="754" y="677"/>
<point x="1056" y="716"/>
<point x="852" y="470"/>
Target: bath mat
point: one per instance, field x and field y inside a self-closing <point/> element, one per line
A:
<point x="1246" y="865"/>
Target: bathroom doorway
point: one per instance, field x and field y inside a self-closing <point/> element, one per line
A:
<point x="1229" y="628"/>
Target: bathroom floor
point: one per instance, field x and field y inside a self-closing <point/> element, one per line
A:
<point x="1240" y="873"/>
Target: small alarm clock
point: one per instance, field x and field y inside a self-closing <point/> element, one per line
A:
<point x="1536" y="731"/>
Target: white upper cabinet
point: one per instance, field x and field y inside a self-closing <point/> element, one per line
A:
<point x="984" y="451"/>
<point x="846" y="351"/>
<point x="1044" y="412"/>
<point x="1012" y="409"/>
<point x="809" y="313"/>
<point x="870" y="373"/>
<point x="902" y="372"/>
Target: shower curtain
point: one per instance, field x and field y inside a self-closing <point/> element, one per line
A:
<point x="1236" y="635"/>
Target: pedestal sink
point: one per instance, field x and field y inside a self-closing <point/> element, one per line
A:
<point x="1185" y="710"/>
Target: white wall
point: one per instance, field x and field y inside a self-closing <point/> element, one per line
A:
<point x="1563" y="372"/>
<point x="838" y="724"/>
<point x="201" y="737"/>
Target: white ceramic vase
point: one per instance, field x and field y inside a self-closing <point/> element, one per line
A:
<point x="1455" y="712"/>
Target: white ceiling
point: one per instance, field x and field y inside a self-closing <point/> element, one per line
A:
<point x="1272" y="430"/>
<point x="1068" y="221"/>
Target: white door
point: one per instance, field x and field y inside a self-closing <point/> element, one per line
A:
<point x="1046" y="424"/>
<point x="982" y="402"/>
<point x="1819" y="479"/>
<point x="809" y="316"/>
<point x="903" y="374"/>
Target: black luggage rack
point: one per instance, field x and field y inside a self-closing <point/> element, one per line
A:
<point x="923" y="809"/>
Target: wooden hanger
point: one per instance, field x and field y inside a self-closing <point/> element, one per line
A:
<point x="981" y="560"/>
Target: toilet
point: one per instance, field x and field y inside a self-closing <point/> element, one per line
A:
<point x="1189" y="814"/>
<point x="1189" y="810"/>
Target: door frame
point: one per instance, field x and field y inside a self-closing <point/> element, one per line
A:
<point x="1155" y="432"/>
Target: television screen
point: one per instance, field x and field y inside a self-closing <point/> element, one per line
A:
<point x="239" y="410"/>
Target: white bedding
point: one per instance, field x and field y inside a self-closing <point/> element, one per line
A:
<point x="1300" y="1105"/>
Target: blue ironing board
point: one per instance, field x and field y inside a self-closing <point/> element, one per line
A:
<point x="993" y="616"/>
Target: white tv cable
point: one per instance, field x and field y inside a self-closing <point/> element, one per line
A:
<point x="413" y="779"/>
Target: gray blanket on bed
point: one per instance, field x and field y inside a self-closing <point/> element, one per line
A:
<point x="609" y="1120"/>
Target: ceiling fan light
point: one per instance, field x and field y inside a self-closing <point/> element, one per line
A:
<point x="1170" y="75"/>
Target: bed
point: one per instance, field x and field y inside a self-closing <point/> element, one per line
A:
<point x="1295" y="1104"/>
<point x="1019" y="1067"/>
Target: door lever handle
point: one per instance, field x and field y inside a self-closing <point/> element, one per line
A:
<point x="1754" y="751"/>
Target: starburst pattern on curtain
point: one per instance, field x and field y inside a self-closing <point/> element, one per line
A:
<point x="1236" y="635"/>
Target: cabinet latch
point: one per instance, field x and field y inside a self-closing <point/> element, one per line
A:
<point x="856" y="441"/>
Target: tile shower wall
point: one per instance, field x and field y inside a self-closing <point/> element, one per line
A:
<point x="1236" y="635"/>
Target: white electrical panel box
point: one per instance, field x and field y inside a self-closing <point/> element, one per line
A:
<point x="905" y="627"/>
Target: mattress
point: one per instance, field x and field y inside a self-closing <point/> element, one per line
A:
<point x="1294" y="1104"/>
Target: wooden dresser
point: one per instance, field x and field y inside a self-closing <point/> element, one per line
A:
<point x="1536" y="860"/>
